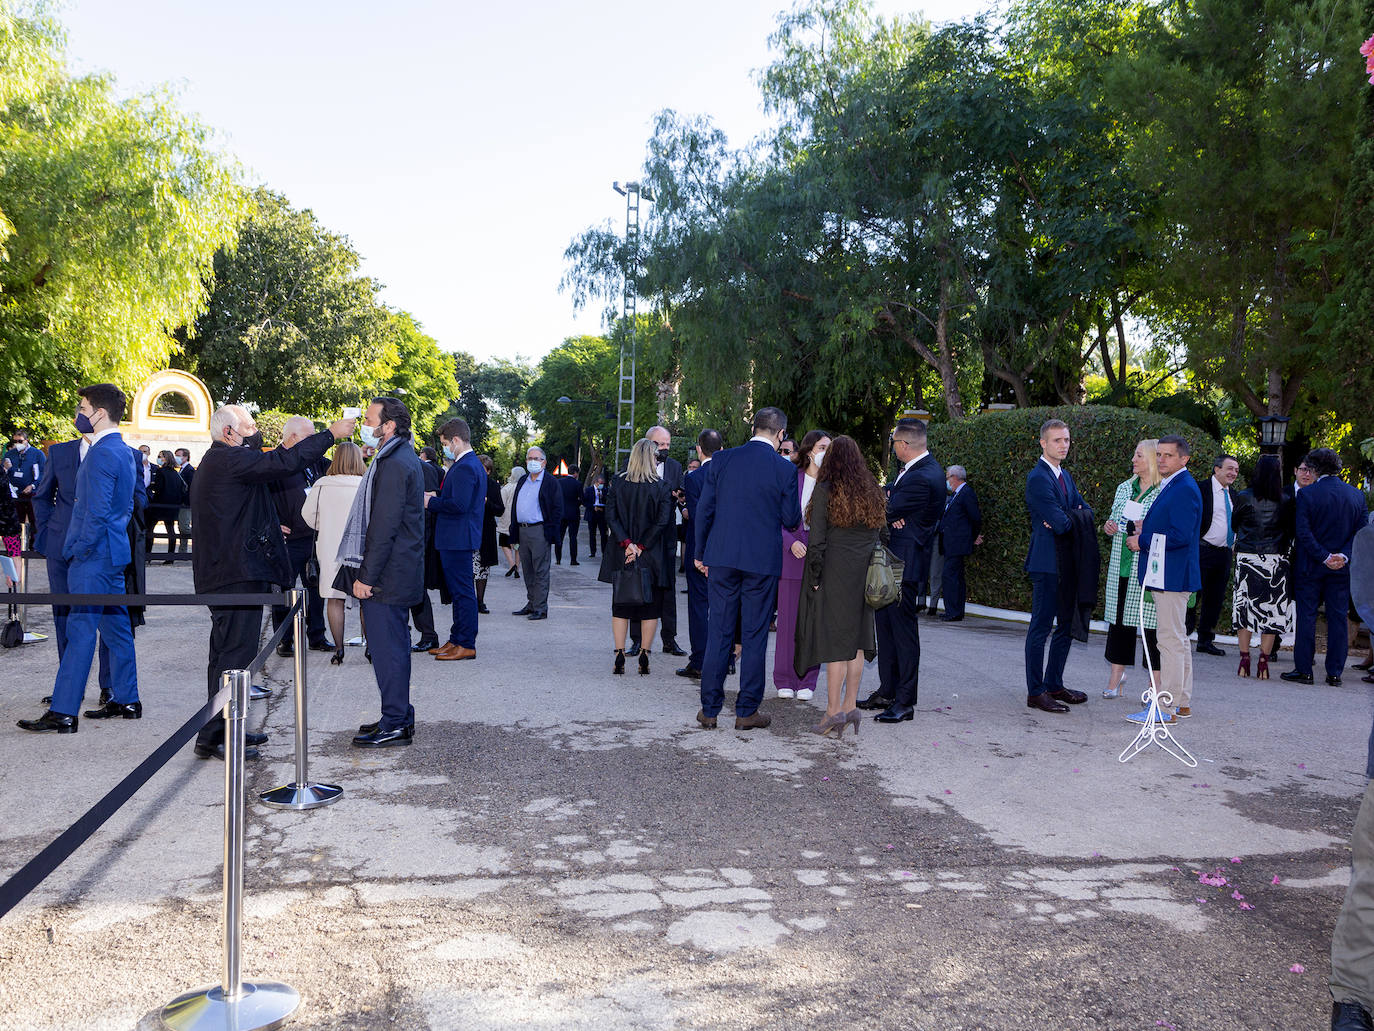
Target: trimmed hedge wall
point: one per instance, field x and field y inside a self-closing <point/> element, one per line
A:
<point x="999" y="448"/>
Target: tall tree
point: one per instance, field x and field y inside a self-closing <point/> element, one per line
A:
<point x="422" y="376"/>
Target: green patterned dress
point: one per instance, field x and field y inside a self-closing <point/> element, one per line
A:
<point x="1124" y="562"/>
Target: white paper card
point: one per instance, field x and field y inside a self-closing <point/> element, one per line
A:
<point x="1134" y="511"/>
<point x="1154" y="563"/>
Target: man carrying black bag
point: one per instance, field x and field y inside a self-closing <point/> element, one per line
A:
<point x="239" y="544"/>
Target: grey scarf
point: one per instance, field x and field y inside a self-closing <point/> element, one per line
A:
<point x="354" y="537"/>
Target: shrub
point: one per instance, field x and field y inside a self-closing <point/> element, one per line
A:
<point x="999" y="448"/>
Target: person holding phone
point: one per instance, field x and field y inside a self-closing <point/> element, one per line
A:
<point x="1134" y="495"/>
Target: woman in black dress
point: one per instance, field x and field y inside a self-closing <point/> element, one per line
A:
<point x="835" y="626"/>
<point x="1262" y="599"/>
<point x="487" y="556"/>
<point x="639" y="511"/>
<point x="167" y="496"/>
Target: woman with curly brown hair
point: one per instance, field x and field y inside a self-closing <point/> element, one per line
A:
<point x="835" y="626"/>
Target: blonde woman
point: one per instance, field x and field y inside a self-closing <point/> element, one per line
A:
<point x="1134" y="497"/>
<point x="639" y="511"/>
<point x="326" y="509"/>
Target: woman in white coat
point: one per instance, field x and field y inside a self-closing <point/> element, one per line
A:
<point x="326" y="509"/>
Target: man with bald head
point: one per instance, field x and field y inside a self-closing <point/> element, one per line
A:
<point x="240" y="548"/>
<point x="289" y="494"/>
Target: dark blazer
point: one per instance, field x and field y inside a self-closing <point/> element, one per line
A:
<point x="749" y="495"/>
<point x="488" y="554"/>
<point x="673" y="479"/>
<point x="640" y="513"/>
<point x="572" y="498"/>
<point x="238" y="536"/>
<point x="918" y="497"/>
<point x="692" y="484"/>
<point x="188" y="473"/>
<point x="288" y="495"/>
<point x="54" y="497"/>
<point x="434" y="573"/>
<point x="961" y="524"/>
<point x="589" y="499"/>
<point x="1047" y="503"/>
<point x="26" y="470"/>
<point x="460" y="505"/>
<point x="99" y="527"/>
<point x="1177" y="514"/>
<point x="1329" y="514"/>
<point x="1204" y="488"/>
<point x="168" y="489"/>
<point x="550" y="506"/>
<point x="394" y="550"/>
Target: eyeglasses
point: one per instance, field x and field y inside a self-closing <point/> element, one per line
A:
<point x="786" y="451"/>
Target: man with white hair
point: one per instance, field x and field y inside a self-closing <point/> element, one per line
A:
<point x="239" y="544"/>
<point x="289" y="494"/>
<point x="961" y="529"/>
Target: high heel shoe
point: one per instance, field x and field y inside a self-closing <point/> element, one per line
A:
<point x="619" y="667"/>
<point x="853" y="719"/>
<point x="1244" y="669"/>
<point x="1262" y="670"/>
<point x="829" y="723"/>
<point x="643" y="663"/>
<point x="1120" y="689"/>
<point x="337" y="658"/>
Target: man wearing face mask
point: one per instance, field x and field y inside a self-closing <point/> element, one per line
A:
<point x="187" y="471"/>
<point x="670" y="472"/>
<point x="239" y="544"/>
<point x="23" y="465"/>
<point x="96" y="550"/>
<point x="538" y="507"/>
<point x="458" y="510"/>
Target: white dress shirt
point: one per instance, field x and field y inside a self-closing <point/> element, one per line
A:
<point x="1218" y="529"/>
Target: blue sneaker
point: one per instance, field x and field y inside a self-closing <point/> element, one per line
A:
<point x="1165" y="716"/>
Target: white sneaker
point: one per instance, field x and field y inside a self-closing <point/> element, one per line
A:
<point x="786" y="692"/>
<point x="805" y="694"/>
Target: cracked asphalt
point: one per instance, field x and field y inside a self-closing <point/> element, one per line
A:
<point x="564" y="849"/>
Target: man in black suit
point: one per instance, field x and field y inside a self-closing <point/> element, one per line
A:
<point x="1214" y="554"/>
<point x="670" y="471"/>
<point x="288" y="494"/>
<point x="915" y="501"/>
<point x="594" y="502"/>
<point x="961" y="529"/>
<point x="708" y="443"/>
<point x="572" y="516"/>
<point x="422" y="613"/>
<point x="188" y="473"/>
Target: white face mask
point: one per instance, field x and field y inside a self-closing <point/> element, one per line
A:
<point x="534" y="466"/>
<point x="818" y="457"/>
<point x="371" y="438"/>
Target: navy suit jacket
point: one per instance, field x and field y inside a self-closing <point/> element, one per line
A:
<point x="56" y="494"/>
<point x="1330" y="512"/>
<point x="691" y="487"/>
<point x="961" y="523"/>
<point x="918" y="497"/>
<point x="1177" y="514"/>
<point x="99" y="527"/>
<point x="749" y="495"/>
<point x="459" y="506"/>
<point x="550" y="507"/>
<point x="1047" y="504"/>
<point x="572" y="498"/>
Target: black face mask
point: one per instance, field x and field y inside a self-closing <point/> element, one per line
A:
<point x="663" y="454"/>
<point x="255" y="441"/>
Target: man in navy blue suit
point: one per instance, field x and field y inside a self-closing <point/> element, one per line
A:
<point x="698" y="603"/>
<point x="1050" y="497"/>
<point x="96" y="550"/>
<point x="1176" y="515"/>
<point x="961" y="528"/>
<point x="459" y="508"/>
<point x="915" y="500"/>
<point x="1330" y="512"/>
<point x="749" y="495"/>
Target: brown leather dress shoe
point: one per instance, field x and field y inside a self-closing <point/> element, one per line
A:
<point x="755" y="720"/>
<point x="1045" y="703"/>
<point x="709" y="722"/>
<point x="1069" y="695"/>
<point x="456" y="652"/>
<point x="444" y="650"/>
<point x="438" y="648"/>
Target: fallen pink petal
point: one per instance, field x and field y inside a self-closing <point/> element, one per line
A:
<point x="1246" y="905"/>
<point x="1235" y="859"/>
<point x="1297" y="968"/>
<point x="1237" y="895"/>
<point x="1275" y="880"/>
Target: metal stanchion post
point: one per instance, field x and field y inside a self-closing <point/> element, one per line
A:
<point x="300" y="793"/>
<point x="233" y="1004"/>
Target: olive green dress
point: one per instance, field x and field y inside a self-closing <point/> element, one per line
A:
<point x="833" y="621"/>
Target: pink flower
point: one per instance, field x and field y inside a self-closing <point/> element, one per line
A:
<point x="1275" y="880"/>
<point x="1246" y="905"/>
<point x="1297" y="968"/>
<point x="1214" y="879"/>
<point x="1235" y="859"/>
<point x="1237" y="895"/>
<point x="1367" y="47"/>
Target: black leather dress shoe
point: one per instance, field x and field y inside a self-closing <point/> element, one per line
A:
<point x="254" y="737"/>
<point x="632" y="650"/>
<point x="875" y="701"/>
<point x="690" y="672"/>
<point x="116" y="711"/>
<point x="574" y="562"/>
<point x="919" y="608"/>
<point x="1045" y="703"/>
<point x="371" y="728"/>
<point x="673" y="649"/>
<point x="1333" y="681"/>
<point x="285" y="650"/>
<point x="50" y="723"/>
<point x="204" y="751"/>
<point x="1350" y="1016"/>
<point x="1294" y="677"/>
<point x="730" y="669"/>
<point x="384" y="738"/>
<point x="895" y="713"/>
<point x="1068" y="695"/>
<point x="1368" y="678"/>
<point x="947" y="618"/>
<point x="541" y="614"/>
<point x="482" y="610"/>
<point x="1208" y="648"/>
<point x="425" y="645"/>
<point x="522" y="612"/>
<point x="321" y="646"/>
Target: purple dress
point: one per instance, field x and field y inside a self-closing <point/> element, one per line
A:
<point x="789" y="597"/>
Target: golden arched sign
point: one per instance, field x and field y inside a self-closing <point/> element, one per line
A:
<point x="171" y="410"/>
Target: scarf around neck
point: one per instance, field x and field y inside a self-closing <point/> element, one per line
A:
<point x="354" y="537"/>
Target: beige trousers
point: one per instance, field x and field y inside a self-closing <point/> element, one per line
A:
<point x="1175" y="657"/>
<point x="1352" y="944"/>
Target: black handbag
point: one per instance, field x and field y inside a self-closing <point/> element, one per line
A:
<point x="12" y="636"/>
<point x="632" y="585"/>
<point x="344" y="580"/>
<point x="310" y="575"/>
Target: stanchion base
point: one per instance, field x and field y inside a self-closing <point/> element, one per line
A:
<point x="261" y="1006"/>
<point x="309" y="796"/>
<point x="30" y="637"/>
<point x="257" y="693"/>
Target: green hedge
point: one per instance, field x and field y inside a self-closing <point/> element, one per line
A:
<point x="998" y="449"/>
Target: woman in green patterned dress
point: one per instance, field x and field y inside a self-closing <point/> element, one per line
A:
<point x="1132" y="501"/>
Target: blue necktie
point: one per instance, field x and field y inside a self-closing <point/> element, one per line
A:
<point x="1230" y="534"/>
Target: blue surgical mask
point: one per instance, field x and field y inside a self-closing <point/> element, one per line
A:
<point x="448" y="452"/>
<point x="534" y="466"/>
<point x="369" y="435"/>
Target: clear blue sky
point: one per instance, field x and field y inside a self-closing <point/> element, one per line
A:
<point x="460" y="147"/>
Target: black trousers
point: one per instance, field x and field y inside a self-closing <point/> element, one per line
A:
<point x="314" y="605"/>
<point x="667" y="619"/>
<point x="1216" y="573"/>
<point x="568" y="529"/>
<point x="596" y="529"/>
<point x="422" y="615"/>
<point x="899" y="646"/>
<point x="234" y="634"/>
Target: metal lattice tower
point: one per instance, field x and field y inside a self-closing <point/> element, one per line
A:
<point x="625" y="416"/>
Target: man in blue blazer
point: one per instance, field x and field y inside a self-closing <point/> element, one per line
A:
<point x="1330" y="513"/>
<point x="459" y="507"/>
<point x="709" y="442"/>
<point x="915" y="499"/>
<point x="96" y="550"/>
<point x="1176" y="515"/>
<point x="1050" y="497"/>
<point x="961" y="527"/>
<point x="749" y="495"/>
